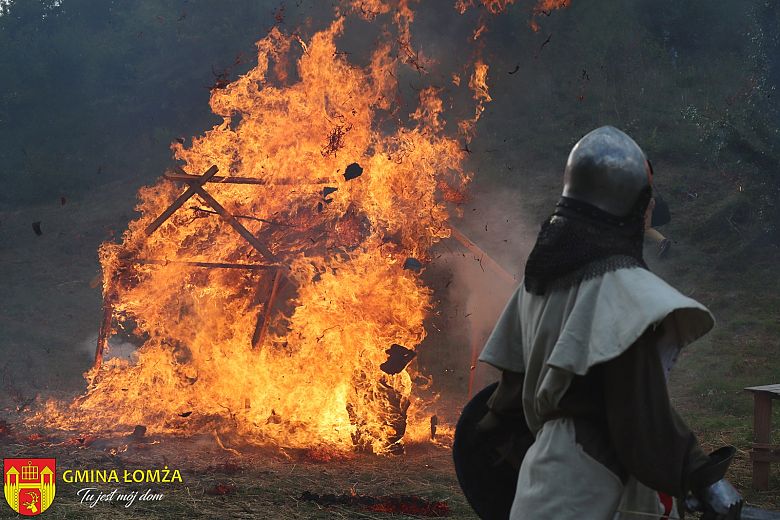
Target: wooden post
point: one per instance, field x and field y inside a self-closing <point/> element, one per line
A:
<point x="484" y="257"/>
<point x="762" y="427"/>
<point x="105" y="329"/>
<point x="264" y="318"/>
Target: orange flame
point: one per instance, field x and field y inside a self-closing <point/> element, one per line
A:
<point x="550" y="5"/>
<point x="478" y="84"/>
<point x="341" y="244"/>
<point x="494" y="6"/>
<point x="544" y="7"/>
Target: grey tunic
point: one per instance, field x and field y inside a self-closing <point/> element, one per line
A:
<point x="564" y="334"/>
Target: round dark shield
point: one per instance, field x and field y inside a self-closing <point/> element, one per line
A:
<point x="487" y="463"/>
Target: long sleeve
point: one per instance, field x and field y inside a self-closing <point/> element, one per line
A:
<point x="651" y="441"/>
<point x="507" y="400"/>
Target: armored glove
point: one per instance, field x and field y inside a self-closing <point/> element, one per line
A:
<point x="721" y="501"/>
<point x="713" y="494"/>
<point x="718" y="501"/>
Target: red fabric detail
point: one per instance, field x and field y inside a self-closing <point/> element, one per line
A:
<point x="668" y="502"/>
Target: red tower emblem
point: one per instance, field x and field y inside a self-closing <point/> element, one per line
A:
<point x="29" y="484"/>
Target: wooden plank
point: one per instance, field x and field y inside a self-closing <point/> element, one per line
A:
<point x="762" y="428"/>
<point x="214" y="265"/>
<point x="764" y="456"/>
<point x="105" y="330"/>
<point x="264" y="319"/>
<point x="484" y="257"/>
<point x="235" y="224"/>
<point x="181" y="199"/>
<point x="765" y="446"/>
<point x="186" y="177"/>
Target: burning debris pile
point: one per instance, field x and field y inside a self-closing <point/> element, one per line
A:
<point x="272" y="281"/>
<point x="268" y="279"/>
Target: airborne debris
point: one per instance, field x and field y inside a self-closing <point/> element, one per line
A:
<point x="353" y="171"/>
<point x="542" y="46"/>
<point x="279" y="14"/>
<point x="335" y="140"/>
<point x="221" y="78"/>
<point x="185" y="414"/>
<point x="398" y="357"/>
<point x="399" y="504"/>
<point x="37" y="227"/>
<point x="412" y="264"/>
<point x="327" y="190"/>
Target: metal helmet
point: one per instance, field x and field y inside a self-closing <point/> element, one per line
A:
<point x="606" y="169"/>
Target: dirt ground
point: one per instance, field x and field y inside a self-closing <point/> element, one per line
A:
<point x="254" y="484"/>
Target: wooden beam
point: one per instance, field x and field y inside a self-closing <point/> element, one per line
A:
<point x="214" y="265"/>
<point x="264" y="318"/>
<point x="762" y="428"/>
<point x="181" y="199"/>
<point x="235" y="224"/>
<point x="105" y="329"/>
<point x="186" y="177"/>
<point x="483" y="257"/>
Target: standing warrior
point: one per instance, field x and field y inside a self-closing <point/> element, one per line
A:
<point x="585" y="346"/>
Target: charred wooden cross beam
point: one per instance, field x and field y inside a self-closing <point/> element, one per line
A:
<point x="482" y="256"/>
<point x="214" y="265"/>
<point x="196" y="183"/>
<point x="183" y="176"/>
<point x="264" y="318"/>
<point x="196" y="186"/>
<point x="181" y="199"/>
<point x="105" y="328"/>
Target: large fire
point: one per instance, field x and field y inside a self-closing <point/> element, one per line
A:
<point x="273" y="300"/>
<point x="342" y="209"/>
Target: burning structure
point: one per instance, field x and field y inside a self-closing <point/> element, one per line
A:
<point x="281" y="327"/>
<point x="272" y="279"/>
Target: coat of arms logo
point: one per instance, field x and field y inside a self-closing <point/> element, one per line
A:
<point x="29" y="484"/>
